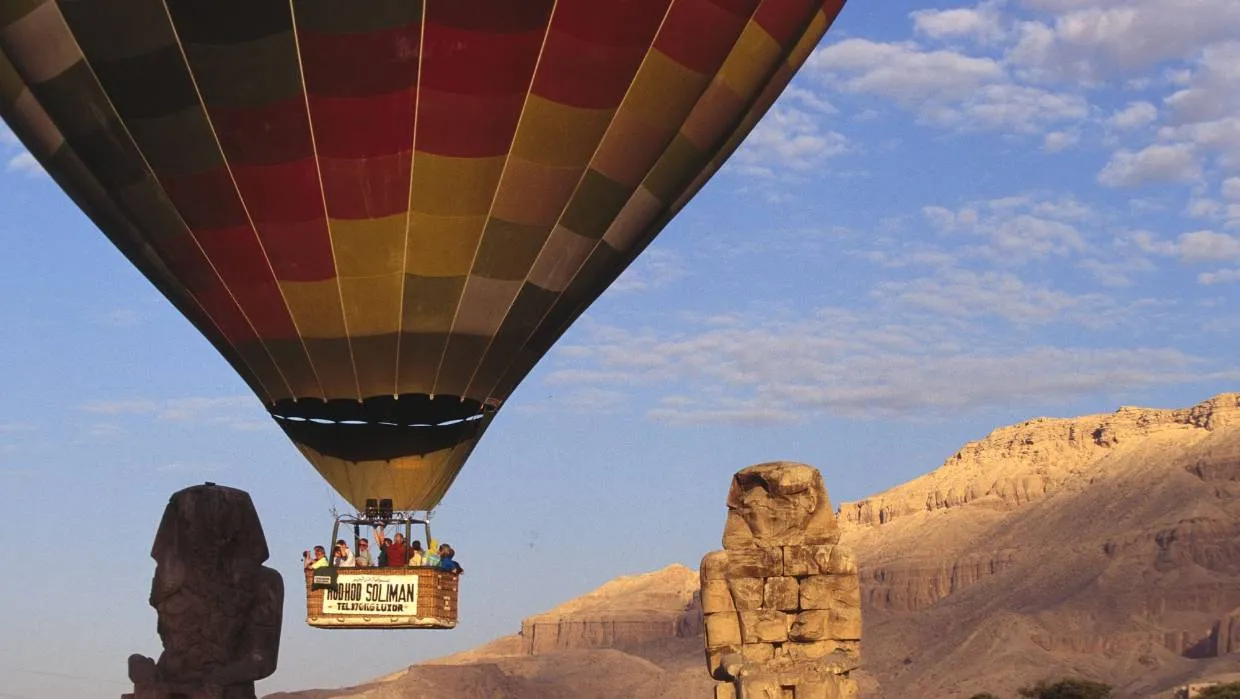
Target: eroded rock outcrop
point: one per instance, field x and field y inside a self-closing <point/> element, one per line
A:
<point x="219" y="608"/>
<point x="782" y="602"/>
<point x="623" y="613"/>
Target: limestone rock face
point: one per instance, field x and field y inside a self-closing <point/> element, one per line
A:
<point x="1104" y="546"/>
<point x="219" y="609"/>
<point x="623" y="613"/>
<point x="781" y="601"/>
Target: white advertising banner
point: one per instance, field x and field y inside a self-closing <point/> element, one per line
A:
<point x="373" y="594"/>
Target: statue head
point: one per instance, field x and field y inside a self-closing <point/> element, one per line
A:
<point x="777" y="504"/>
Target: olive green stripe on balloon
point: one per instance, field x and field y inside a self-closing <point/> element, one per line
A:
<point x="597" y="201"/>
<point x="356" y="16"/>
<point x="13" y="10"/>
<point x="11" y="85"/>
<point x="115" y="30"/>
<point x="177" y="144"/>
<point x="250" y="74"/>
<point x="508" y="250"/>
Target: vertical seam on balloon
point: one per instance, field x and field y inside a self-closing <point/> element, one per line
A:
<point x="327" y="220"/>
<point x="560" y="295"/>
<point x="529" y="90"/>
<point x="241" y="200"/>
<point x="649" y="50"/>
<point x="413" y="155"/>
<point x="193" y="236"/>
<point x="664" y="219"/>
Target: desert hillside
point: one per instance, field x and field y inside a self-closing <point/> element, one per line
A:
<point x="1105" y="546"/>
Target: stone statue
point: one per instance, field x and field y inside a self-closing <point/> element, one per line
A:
<point x="782" y="601"/>
<point x="219" y="608"/>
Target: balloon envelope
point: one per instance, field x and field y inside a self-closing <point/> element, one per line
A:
<point x="384" y="212"/>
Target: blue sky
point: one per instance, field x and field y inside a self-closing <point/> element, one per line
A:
<point x="956" y="218"/>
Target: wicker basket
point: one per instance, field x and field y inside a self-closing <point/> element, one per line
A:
<point x="385" y="598"/>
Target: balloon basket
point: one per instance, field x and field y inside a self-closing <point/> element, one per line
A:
<point x="383" y="598"/>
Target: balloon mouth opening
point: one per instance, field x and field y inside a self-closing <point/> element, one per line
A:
<point x="408" y="410"/>
<point x="382" y="428"/>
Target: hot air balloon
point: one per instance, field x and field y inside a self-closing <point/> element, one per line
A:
<point x="382" y="213"/>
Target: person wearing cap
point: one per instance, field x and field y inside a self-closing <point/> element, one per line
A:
<point x="342" y="557"/>
<point x="362" y="557"/>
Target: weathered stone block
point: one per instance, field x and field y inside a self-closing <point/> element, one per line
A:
<point x="758" y="652"/>
<point x="755" y="563"/>
<point x="812" y="650"/>
<point x="722" y="629"/>
<point x="764" y="626"/>
<point x="849" y="689"/>
<point x="747" y="593"/>
<point x="816" y="592"/>
<point x="760" y="687"/>
<point x="737" y="534"/>
<point x="716" y="597"/>
<point x="782" y="594"/>
<point x="714" y="566"/>
<point x="725" y="691"/>
<point x="845" y="624"/>
<point x="842" y="561"/>
<point x="826" y="688"/>
<point x="797" y="561"/>
<point x="810" y="626"/>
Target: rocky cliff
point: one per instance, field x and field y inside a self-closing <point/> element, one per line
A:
<point x="1106" y="545"/>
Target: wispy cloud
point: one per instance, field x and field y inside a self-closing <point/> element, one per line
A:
<point x="843" y="364"/>
<point x="236" y="412"/>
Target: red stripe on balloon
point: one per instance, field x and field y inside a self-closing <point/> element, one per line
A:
<point x="370" y="188"/>
<point x="594" y="50"/>
<point x="785" y="20"/>
<point x="273" y="133"/>
<point x="699" y="34"/>
<point x="363" y="127"/>
<point x="357" y="65"/>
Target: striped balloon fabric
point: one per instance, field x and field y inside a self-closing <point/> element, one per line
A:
<point x="384" y="212"/>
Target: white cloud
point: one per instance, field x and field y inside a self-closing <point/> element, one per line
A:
<point x="788" y="138"/>
<point x="841" y="363"/>
<point x="1092" y="40"/>
<point x="652" y="270"/>
<point x="1007" y="106"/>
<point x="25" y="164"/>
<point x="1135" y="115"/>
<point x="1016" y="229"/>
<point x="1230" y="189"/>
<point x="1057" y="141"/>
<point x="1156" y="163"/>
<point x="968" y="294"/>
<point x="902" y="71"/>
<point x="1207" y="246"/>
<point x="1222" y="276"/>
<point x="236" y="412"/>
<point x="982" y="23"/>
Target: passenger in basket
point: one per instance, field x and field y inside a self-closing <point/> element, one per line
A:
<point x="446" y="564"/>
<point x="397" y="552"/>
<point x="416" y="556"/>
<point x="383" y="544"/>
<point x="362" y="557"/>
<point x="342" y="557"/>
<point x="432" y="554"/>
<point x="319" y="560"/>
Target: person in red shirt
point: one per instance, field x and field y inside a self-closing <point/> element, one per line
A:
<point x="397" y="553"/>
